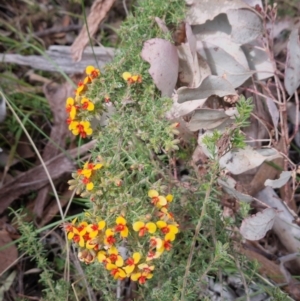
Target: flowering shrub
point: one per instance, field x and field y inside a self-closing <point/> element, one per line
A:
<point x="146" y="238"/>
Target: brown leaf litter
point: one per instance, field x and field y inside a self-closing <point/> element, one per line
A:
<point x="56" y="95"/>
<point x="36" y="177"/>
<point x="8" y="255"/>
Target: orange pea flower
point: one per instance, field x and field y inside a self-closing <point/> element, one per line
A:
<point x="155" y="242"/>
<point x="166" y="245"/>
<point x="153" y="255"/>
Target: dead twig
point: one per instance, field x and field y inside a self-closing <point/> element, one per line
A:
<point x="57" y="29"/>
<point x="296" y="127"/>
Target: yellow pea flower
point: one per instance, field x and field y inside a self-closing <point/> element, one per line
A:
<point x="132" y="262"/>
<point x="94" y="229"/>
<point x="169" y="230"/>
<point x="79" y="233"/>
<point x="144" y="274"/>
<point x="109" y="239"/>
<point x="132" y="78"/>
<point x="82" y="128"/>
<point x="114" y="257"/>
<point x="87" y="104"/>
<point x="71" y="108"/>
<point x="92" y="71"/>
<point x="140" y="277"/>
<point x="116" y="272"/>
<point x="169" y="198"/>
<point x="81" y="88"/>
<point x="156" y="199"/>
<point x="121" y="226"/>
<point x="143" y="228"/>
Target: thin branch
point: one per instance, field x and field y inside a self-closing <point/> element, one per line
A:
<point x="243" y="278"/>
<point x="262" y="95"/>
<point x="57" y="29"/>
<point x="296" y="128"/>
<point x="260" y="120"/>
<point x="197" y="230"/>
<point x="125" y="7"/>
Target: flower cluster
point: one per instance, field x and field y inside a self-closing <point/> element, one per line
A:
<point x="84" y="178"/>
<point x="78" y="107"/>
<point x="95" y="179"/>
<point x="97" y="241"/>
<point x="104" y="240"/>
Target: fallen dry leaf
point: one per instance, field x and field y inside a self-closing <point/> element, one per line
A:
<point x="211" y="85"/>
<point x="192" y="67"/>
<point x="24" y="149"/>
<point x="200" y="11"/>
<point x="242" y="160"/>
<point x="7" y="255"/>
<point x="287" y="232"/>
<point x="99" y="10"/>
<point x="163" y="58"/>
<point x="257" y="225"/>
<point x="292" y="65"/>
<point x="269" y="269"/>
<point x="282" y="180"/>
<point x="255" y="183"/>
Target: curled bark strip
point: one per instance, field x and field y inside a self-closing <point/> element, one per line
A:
<point x="99" y="10"/>
<point x="59" y="55"/>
